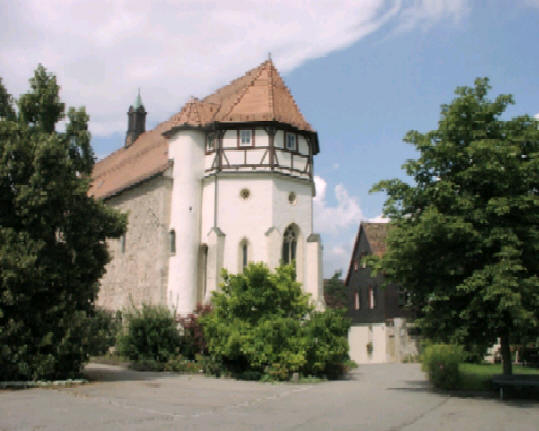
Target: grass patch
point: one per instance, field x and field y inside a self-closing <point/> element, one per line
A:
<point x="477" y="377"/>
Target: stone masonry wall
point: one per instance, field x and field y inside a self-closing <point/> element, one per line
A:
<point x="139" y="274"/>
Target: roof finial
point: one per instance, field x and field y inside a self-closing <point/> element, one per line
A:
<point x="269" y="55"/>
<point x="138" y="100"/>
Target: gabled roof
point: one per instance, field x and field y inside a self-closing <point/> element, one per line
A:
<point x="376" y="235"/>
<point x="259" y="95"/>
<point x="146" y="157"/>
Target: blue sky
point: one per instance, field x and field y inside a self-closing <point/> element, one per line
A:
<point x="362" y="72"/>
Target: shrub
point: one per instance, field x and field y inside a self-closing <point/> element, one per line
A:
<point x="150" y="335"/>
<point x="326" y="335"/>
<point x="192" y="340"/>
<point x="103" y="328"/>
<point x="441" y="363"/>
<point x="262" y="322"/>
<point x="180" y="364"/>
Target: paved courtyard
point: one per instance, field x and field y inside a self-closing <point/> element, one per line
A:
<point x="389" y="397"/>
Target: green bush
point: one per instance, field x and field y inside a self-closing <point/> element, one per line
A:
<point x="441" y="363"/>
<point x="103" y="326"/>
<point x="263" y="323"/>
<point x="151" y="334"/>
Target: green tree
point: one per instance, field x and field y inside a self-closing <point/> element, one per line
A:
<point x="465" y="240"/>
<point x="262" y="322"/>
<point x="335" y="293"/>
<point x="52" y="235"/>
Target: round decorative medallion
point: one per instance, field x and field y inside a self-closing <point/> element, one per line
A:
<point x="245" y="193"/>
<point x="292" y="198"/>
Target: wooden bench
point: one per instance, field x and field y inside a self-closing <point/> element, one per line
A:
<point x="520" y="381"/>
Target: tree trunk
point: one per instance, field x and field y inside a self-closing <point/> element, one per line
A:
<point x="506" y="355"/>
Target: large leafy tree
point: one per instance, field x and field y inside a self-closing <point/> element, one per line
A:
<point x="52" y="234"/>
<point x="465" y="240"/>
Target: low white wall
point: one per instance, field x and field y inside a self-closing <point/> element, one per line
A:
<point x="358" y="338"/>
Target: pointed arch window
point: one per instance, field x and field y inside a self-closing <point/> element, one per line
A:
<point x="290" y="242"/>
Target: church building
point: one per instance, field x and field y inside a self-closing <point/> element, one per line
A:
<point x="226" y="181"/>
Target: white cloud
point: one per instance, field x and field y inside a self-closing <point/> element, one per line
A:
<point x="102" y="51"/>
<point x="424" y="13"/>
<point x="379" y="219"/>
<point x="331" y="219"/>
<point x="536" y="116"/>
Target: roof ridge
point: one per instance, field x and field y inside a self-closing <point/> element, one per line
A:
<point x="271" y="91"/>
<point x="244" y="90"/>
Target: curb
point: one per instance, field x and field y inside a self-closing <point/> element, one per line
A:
<point x="41" y="383"/>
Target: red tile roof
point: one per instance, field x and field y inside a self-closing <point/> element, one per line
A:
<point x="259" y="95"/>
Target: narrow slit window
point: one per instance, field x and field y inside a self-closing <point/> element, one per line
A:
<point x="122" y="243"/>
<point x="244" y="255"/>
<point x="172" y="239"/>
<point x="356" y="301"/>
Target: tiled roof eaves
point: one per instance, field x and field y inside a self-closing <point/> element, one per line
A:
<point x="136" y="181"/>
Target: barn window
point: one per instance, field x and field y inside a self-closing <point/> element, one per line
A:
<point x="372" y="298"/>
<point x="357" y="304"/>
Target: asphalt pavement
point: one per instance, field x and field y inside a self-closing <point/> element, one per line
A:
<point x="385" y="397"/>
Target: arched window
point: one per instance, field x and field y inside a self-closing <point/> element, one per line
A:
<point x="290" y="242"/>
<point x="172" y="240"/>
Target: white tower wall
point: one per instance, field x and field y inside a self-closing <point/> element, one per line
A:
<point x="186" y="149"/>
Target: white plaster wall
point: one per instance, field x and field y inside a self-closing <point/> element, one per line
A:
<point x="303" y="147"/>
<point x="278" y="139"/>
<point x="300" y="162"/>
<point x="209" y="160"/>
<point x="261" y="138"/>
<point x="299" y="213"/>
<point x="233" y="157"/>
<point x="230" y="138"/>
<point x="360" y="335"/>
<point x="244" y="218"/>
<point x="186" y="149"/>
<point x="267" y="206"/>
<point x="255" y="157"/>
